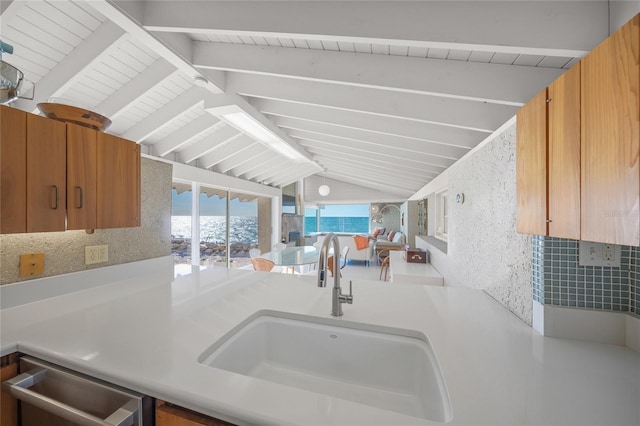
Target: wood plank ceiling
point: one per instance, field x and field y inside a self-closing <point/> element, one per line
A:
<point x="383" y="94"/>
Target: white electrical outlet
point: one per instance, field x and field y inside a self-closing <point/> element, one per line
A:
<point x="96" y="254"/>
<point x="599" y="254"/>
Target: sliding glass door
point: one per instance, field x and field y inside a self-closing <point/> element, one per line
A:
<point x="249" y="227"/>
<point x="181" y="223"/>
<point x="213" y="227"/>
<point x="218" y="228"/>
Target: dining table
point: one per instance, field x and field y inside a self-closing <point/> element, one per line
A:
<point x="290" y="257"/>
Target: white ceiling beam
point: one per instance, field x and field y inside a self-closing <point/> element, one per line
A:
<point x="284" y="173"/>
<point x="273" y="169"/>
<point x="385" y="151"/>
<point x="67" y="72"/>
<point x="254" y="169"/>
<point x="225" y="150"/>
<point x="429" y="109"/>
<point x="161" y="117"/>
<point x="565" y="28"/>
<point x="209" y="144"/>
<point x="372" y="160"/>
<point x="184" y="135"/>
<point x="327" y="159"/>
<point x="485" y="82"/>
<point x="340" y="148"/>
<point x="374" y="140"/>
<point x="135" y="89"/>
<point x="292" y="177"/>
<point x="240" y="164"/>
<point x="9" y="9"/>
<point x="401" y="191"/>
<point x="242" y="159"/>
<point x="128" y="15"/>
<point x="260" y="172"/>
<point x="378" y="176"/>
<point x="386" y="126"/>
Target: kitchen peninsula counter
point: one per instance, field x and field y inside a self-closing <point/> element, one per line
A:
<point x="147" y="334"/>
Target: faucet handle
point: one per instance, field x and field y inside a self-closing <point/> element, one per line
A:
<point x="348" y="298"/>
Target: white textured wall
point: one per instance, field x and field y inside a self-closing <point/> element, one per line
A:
<point x="484" y="251"/>
<point x="64" y="251"/>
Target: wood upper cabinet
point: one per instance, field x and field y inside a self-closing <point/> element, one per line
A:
<point x="13" y="170"/>
<point x="118" y="182"/>
<point x="58" y="176"/>
<point x="563" y="110"/>
<point x="46" y="174"/>
<point x="548" y="160"/>
<point x="33" y="195"/>
<point x="81" y="177"/>
<point x="611" y="139"/>
<point x="531" y="166"/>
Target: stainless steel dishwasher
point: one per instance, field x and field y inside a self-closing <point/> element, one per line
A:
<point x="53" y="395"/>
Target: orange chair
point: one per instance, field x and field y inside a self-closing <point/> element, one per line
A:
<point x="260" y="264"/>
<point x="345" y="252"/>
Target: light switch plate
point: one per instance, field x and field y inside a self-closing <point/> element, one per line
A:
<point x="599" y="254"/>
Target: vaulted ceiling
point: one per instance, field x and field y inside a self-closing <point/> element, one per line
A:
<point x="381" y="94"/>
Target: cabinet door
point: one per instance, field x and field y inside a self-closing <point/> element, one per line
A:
<point x="118" y="182"/>
<point x="8" y="404"/>
<point x="46" y="174"/>
<point x="171" y="415"/>
<point x="81" y="177"/>
<point x="13" y="170"/>
<point x="531" y="166"/>
<point x="564" y="155"/>
<point x="611" y="139"/>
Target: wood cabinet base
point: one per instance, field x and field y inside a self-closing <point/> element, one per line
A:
<point x="173" y="415"/>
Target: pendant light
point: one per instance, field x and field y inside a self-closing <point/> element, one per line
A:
<point x="324" y="189"/>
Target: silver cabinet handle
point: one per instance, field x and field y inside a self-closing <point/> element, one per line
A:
<point x="19" y="388"/>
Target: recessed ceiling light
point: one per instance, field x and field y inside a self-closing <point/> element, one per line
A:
<point x="200" y="81"/>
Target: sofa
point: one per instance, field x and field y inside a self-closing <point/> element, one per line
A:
<point x="398" y="240"/>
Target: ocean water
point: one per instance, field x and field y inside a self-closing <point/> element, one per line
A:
<point x="356" y="225"/>
<point x="243" y="229"/>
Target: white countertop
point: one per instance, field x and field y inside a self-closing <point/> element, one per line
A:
<point x="147" y="336"/>
<point x="412" y="273"/>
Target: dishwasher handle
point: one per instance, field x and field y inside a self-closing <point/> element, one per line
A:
<point x="19" y="388"/>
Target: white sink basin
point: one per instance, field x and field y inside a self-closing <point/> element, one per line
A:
<point x="391" y="369"/>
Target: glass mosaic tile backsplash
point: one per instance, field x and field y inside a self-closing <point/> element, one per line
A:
<point x="558" y="279"/>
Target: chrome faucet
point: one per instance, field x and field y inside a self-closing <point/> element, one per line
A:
<point x="336" y="296"/>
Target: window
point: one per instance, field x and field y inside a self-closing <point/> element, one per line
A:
<point x="311" y="220"/>
<point x="216" y="242"/>
<point x="181" y="223"/>
<point x="213" y="227"/>
<point x="348" y="218"/>
<point x="442" y="215"/>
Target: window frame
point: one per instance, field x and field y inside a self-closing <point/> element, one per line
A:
<point x="442" y="215"/>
